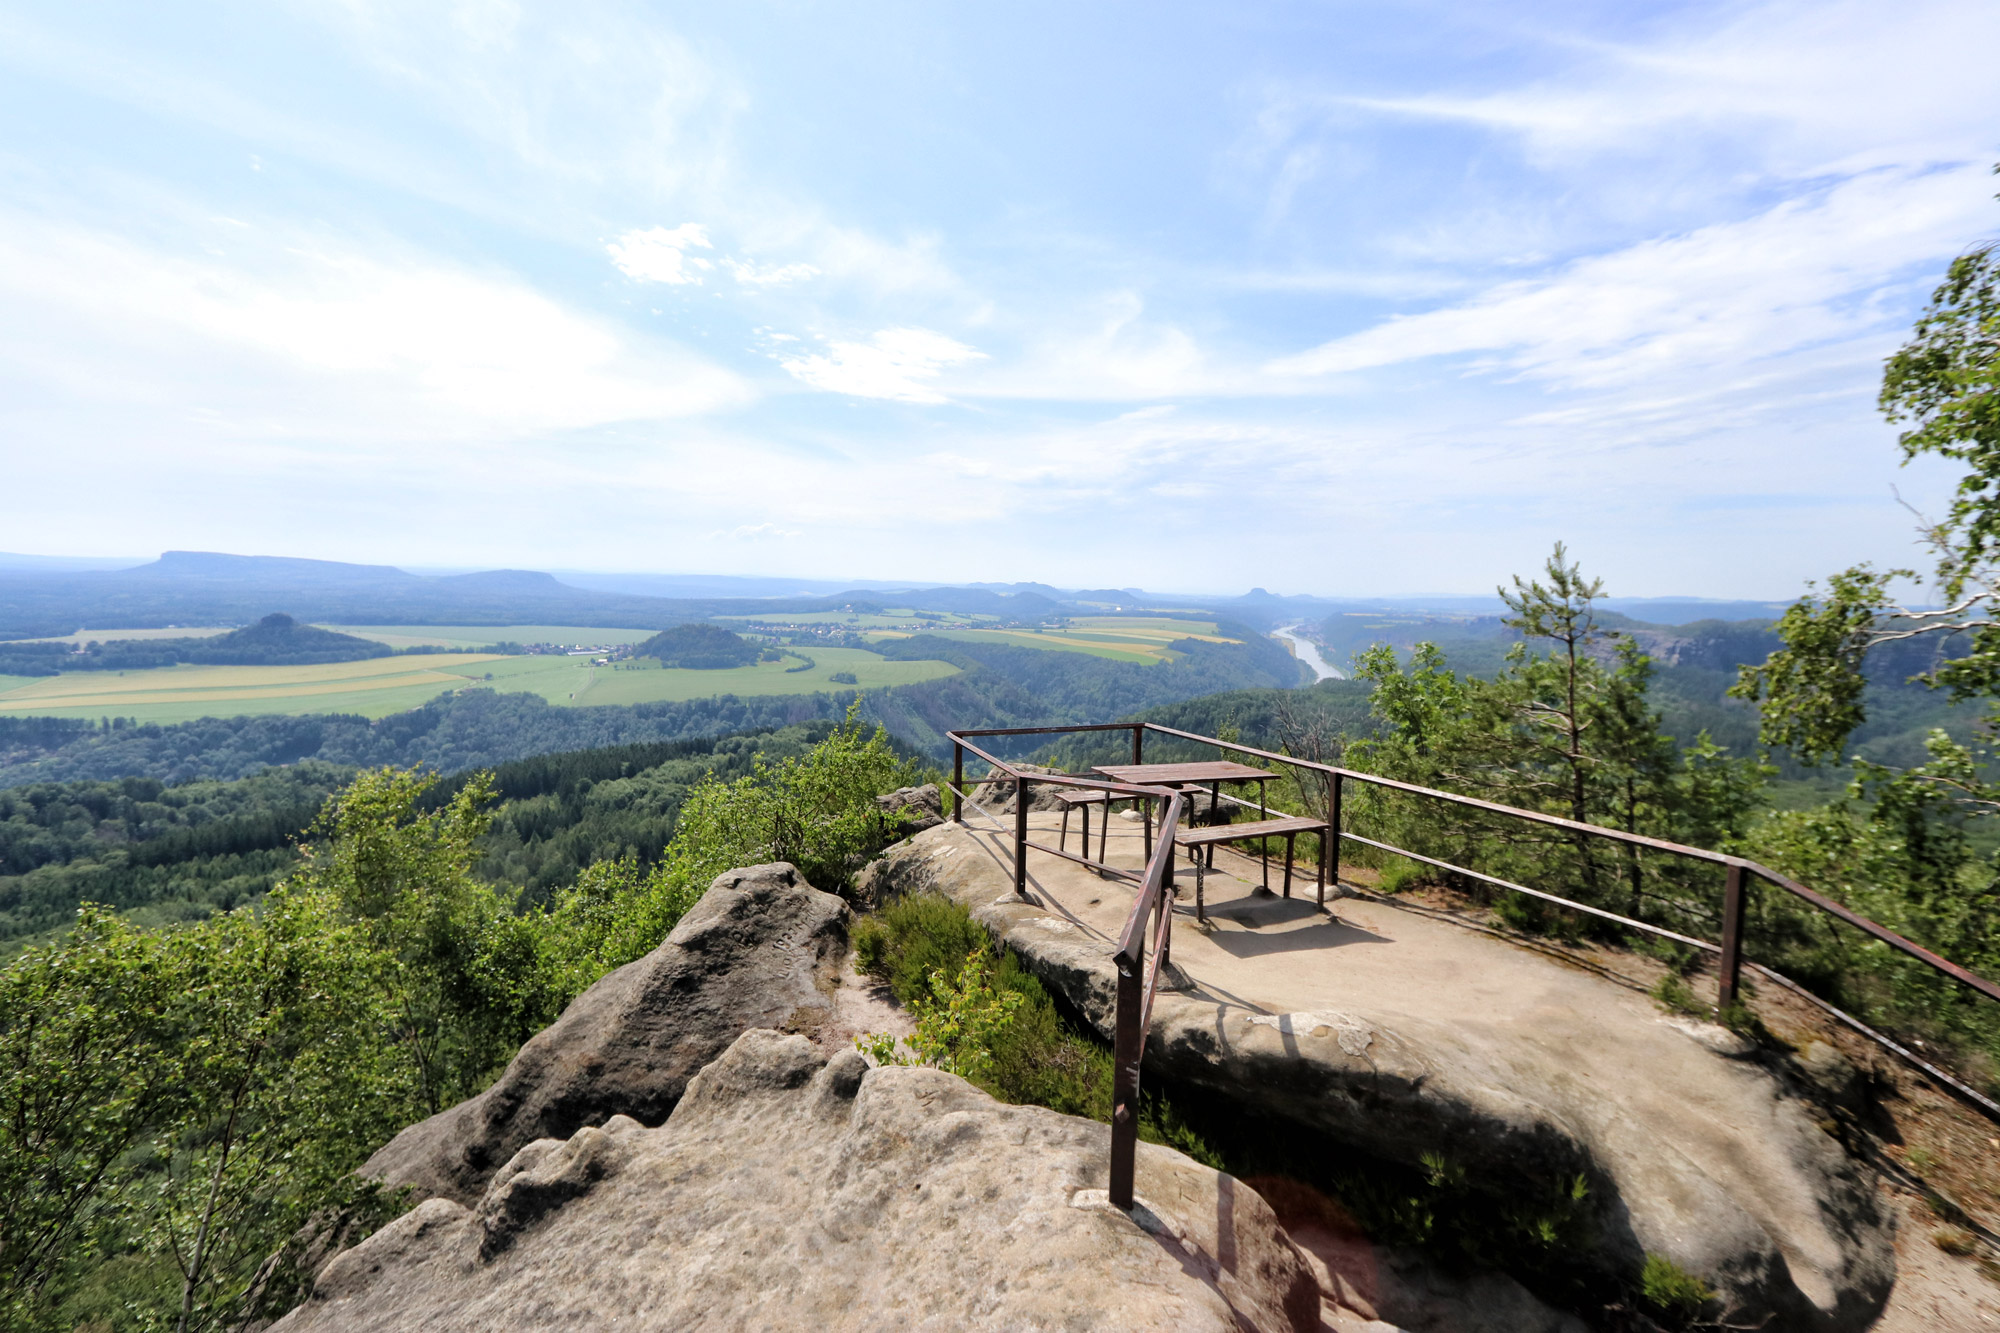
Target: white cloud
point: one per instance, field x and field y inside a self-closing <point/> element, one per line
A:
<point x="1805" y="274"/>
<point x="1798" y="85"/>
<point x="659" y="254"/>
<point x="893" y="364"/>
<point x="777" y="275"/>
<point x="310" y="338"/>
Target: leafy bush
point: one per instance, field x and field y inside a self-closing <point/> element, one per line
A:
<point x="816" y="811"/>
<point x="1037" y="1057"/>
<point x="957" y="1023"/>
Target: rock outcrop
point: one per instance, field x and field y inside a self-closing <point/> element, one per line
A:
<point x="792" y="1191"/>
<point x="1702" y="1157"/>
<point x="921" y="807"/>
<point x="757" y="951"/>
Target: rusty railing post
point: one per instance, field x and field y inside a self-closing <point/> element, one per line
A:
<point x="1730" y="965"/>
<point x="957" y="782"/>
<point x="1021" y="836"/>
<point x="1329" y="846"/>
<point x="1138" y="736"/>
<point x="1125" y="1083"/>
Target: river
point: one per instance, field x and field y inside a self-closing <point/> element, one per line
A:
<point x="1308" y="652"/>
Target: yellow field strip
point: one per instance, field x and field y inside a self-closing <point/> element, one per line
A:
<point x="202" y="684"/>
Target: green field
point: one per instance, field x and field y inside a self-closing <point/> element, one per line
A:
<point x="1120" y="638"/>
<point x="385" y="685"/>
<point x="479" y="636"/>
<point x="374" y="688"/>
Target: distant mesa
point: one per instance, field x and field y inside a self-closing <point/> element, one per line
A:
<point x="214" y="566"/>
<point x="702" y="646"/>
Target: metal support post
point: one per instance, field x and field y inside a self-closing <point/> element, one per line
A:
<point x="1021" y="836"/>
<point x="957" y="783"/>
<point x="1329" y="846"/>
<point x="1730" y="965"/>
<point x="1125" y="1053"/>
<point x="1138" y="736"/>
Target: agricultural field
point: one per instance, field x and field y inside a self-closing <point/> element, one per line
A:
<point x="891" y="619"/>
<point x="1121" y="638"/>
<point x="385" y="685"/>
<point x="479" y="636"/>
<point x="373" y="688"/>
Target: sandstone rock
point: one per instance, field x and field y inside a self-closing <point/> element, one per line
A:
<point x="996" y="797"/>
<point x="753" y="952"/>
<point x="922" y="806"/>
<point x="1716" y="1166"/>
<point x="789" y="1191"/>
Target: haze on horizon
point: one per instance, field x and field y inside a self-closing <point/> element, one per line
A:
<point x="1358" y="300"/>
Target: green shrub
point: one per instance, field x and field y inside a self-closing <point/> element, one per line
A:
<point x="1037" y="1058"/>
<point x="1679" y="997"/>
<point x="1401" y="875"/>
<point x="957" y="1023"/>
<point x="1671" y="1290"/>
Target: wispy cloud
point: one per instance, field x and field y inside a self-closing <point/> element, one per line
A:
<point x="435" y="348"/>
<point x="775" y="275"/>
<point x="898" y="364"/>
<point x="660" y="254"/>
<point x="1805" y="273"/>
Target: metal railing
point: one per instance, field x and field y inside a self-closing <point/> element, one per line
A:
<point x="1740" y="876"/>
<point x="1142" y="946"/>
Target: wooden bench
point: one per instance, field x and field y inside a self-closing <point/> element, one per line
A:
<point x="1288" y="828"/>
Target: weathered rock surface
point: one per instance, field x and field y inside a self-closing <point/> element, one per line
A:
<point x="790" y="1191"/>
<point x="921" y="807"/>
<point x="1690" y="1147"/>
<point x="756" y="951"/>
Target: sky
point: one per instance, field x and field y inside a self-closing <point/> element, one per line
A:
<point x="1336" y="298"/>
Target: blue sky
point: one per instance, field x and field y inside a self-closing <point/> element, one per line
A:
<point x="1334" y="298"/>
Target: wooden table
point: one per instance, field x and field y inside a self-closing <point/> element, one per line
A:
<point x="1210" y="773"/>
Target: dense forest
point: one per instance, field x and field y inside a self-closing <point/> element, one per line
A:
<point x="220" y="1080"/>
<point x="698" y="645"/>
<point x="162" y="854"/>
<point x="1693" y="668"/>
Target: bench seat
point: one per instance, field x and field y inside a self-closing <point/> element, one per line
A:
<point x="1288" y="828"/>
<point x="1291" y="825"/>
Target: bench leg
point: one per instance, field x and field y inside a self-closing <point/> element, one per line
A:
<point x="1265" y="844"/>
<point x="1103" y="831"/>
<point x="1290" y="839"/>
<point x="1062" y="840"/>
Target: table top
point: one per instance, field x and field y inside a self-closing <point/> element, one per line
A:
<point x="1176" y="775"/>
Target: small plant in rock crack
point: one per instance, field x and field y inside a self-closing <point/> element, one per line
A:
<point x="1672" y="1292"/>
<point x="1676" y="995"/>
<point x="956" y="1025"/>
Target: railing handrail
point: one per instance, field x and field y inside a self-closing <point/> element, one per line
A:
<point x="1818" y="900"/>
<point x="1138" y="975"/>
